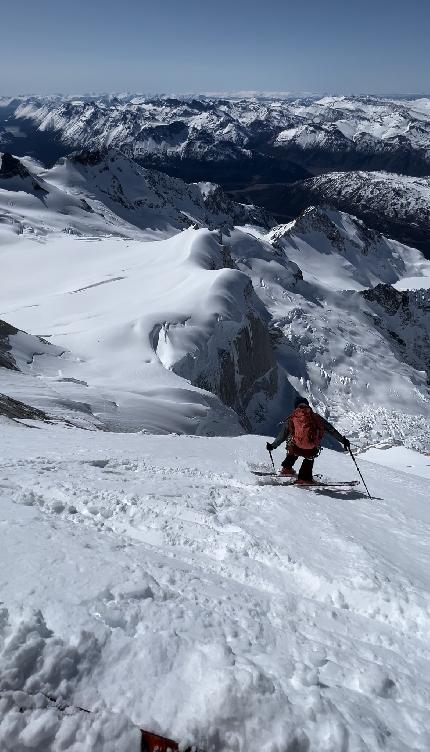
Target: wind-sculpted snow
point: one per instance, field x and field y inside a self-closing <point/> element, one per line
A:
<point x="168" y="334"/>
<point x="129" y="316"/>
<point x="153" y="582"/>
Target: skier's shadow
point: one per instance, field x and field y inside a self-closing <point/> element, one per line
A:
<point x="344" y="495"/>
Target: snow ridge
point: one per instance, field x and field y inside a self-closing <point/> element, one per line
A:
<point x="197" y="348"/>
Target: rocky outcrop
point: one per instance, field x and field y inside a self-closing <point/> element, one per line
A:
<point x="246" y="370"/>
<point x="6" y="358"/>
<point x="16" y="410"/>
<point x="17" y="175"/>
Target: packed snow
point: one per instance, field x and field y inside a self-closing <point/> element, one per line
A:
<point x="155" y="583"/>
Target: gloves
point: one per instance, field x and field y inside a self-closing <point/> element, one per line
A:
<point x="269" y="447"/>
<point x="346" y="444"/>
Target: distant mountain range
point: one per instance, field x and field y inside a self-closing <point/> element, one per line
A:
<point x="369" y="156"/>
<point x="306" y="135"/>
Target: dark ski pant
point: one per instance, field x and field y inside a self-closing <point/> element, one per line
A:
<point x="305" y="472"/>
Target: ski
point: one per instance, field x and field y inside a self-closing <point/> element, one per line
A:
<point x="318" y="484"/>
<point x="338" y="484"/>
<point x="266" y="472"/>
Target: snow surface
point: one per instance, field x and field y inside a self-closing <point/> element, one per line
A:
<point x="153" y="581"/>
<point x="339" y="251"/>
<point x="106" y="303"/>
<point x="139" y="313"/>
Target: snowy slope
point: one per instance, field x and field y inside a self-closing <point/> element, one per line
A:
<point x="107" y="193"/>
<point x="152" y="581"/>
<point x="149" y="199"/>
<point x="397" y="205"/>
<point x="153" y="329"/>
<point x="338" y="250"/>
<point x="165" y="311"/>
<point x="131" y="316"/>
<point x="365" y="366"/>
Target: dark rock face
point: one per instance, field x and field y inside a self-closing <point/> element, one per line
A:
<point x="390" y="299"/>
<point x="6" y="358"/>
<point x="246" y="369"/>
<point x="16" y="410"/>
<point x="218" y="202"/>
<point x="88" y="157"/>
<point x="11" y="167"/>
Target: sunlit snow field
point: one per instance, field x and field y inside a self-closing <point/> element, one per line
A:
<point x="151" y="580"/>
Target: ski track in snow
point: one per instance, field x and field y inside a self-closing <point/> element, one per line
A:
<point x="164" y="588"/>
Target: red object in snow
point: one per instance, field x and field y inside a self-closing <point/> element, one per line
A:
<point x="154" y="743"/>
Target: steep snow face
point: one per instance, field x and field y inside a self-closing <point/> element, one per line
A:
<point x="133" y="315"/>
<point x="236" y="129"/>
<point x="339" y="251"/>
<point x="153" y="581"/>
<point x="397" y="205"/>
<point x="332" y="343"/>
<point x="149" y="199"/>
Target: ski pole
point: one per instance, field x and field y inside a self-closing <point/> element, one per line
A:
<point x="359" y="472"/>
<point x="274" y="469"/>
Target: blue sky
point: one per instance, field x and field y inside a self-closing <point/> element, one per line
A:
<point x="218" y="45"/>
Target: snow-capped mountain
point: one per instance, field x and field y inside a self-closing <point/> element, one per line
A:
<point x="95" y="191"/>
<point x="318" y="134"/>
<point x="397" y="205"/>
<point x="330" y="245"/>
<point x="161" y="327"/>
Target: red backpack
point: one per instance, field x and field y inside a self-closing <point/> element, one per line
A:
<point x="306" y="428"/>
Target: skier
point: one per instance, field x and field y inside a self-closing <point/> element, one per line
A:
<point x="303" y="431"/>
